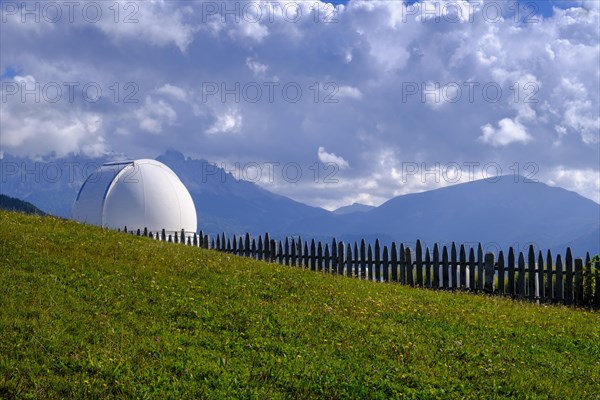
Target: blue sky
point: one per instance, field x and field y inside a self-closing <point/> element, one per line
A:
<point x="369" y="99"/>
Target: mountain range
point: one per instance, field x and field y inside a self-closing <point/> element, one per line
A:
<point x="498" y="214"/>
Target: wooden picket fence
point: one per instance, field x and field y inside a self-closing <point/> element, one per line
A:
<point x="534" y="278"/>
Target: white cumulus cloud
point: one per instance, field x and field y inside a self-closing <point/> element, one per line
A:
<point x="332" y="158"/>
<point x="173" y="91"/>
<point x="226" y="122"/>
<point x="508" y="132"/>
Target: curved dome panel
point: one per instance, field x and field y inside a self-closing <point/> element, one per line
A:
<point x="139" y="194"/>
<point x="89" y="204"/>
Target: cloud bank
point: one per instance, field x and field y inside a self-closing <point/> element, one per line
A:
<point x="405" y="96"/>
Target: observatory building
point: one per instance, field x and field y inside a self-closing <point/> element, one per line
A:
<point x="138" y="194"/>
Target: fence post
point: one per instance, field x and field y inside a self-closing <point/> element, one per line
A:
<point x="224" y="243"/>
<point x="386" y="264"/>
<point x="445" y="266"/>
<point x="234" y="245"/>
<point x="501" y="273"/>
<point x="521" y="277"/>
<point x="286" y="256"/>
<point x="578" y="281"/>
<point x="327" y="259"/>
<point x="463" y="267"/>
<point x="340" y="262"/>
<point x="170" y="239"/>
<point x="588" y="285"/>
<point x="355" y="262"/>
<point x="363" y="259"/>
<point x="472" y="267"/>
<point x="597" y="291"/>
<point x="292" y="254"/>
<point x="454" y="266"/>
<point x="370" y="274"/>
<point x="377" y="265"/>
<point x="195" y="242"/>
<point x="540" y="276"/>
<point x="334" y="257"/>
<point x="419" y="261"/>
<point x="273" y="251"/>
<point x="587" y="258"/>
<point x="427" y="268"/>
<point x="249" y="248"/>
<point x="299" y="247"/>
<point x="349" y="268"/>
<point x="189" y="241"/>
<point x="267" y="247"/>
<point x="306" y="255"/>
<point x="313" y="255"/>
<point x="489" y="273"/>
<point x="300" y="253"/>
<point x="402" y="263"/>
<point x="146" y="231"/>
<point x="163" y="235"/>
<point x="479" y="267"/>
<point x="436" y="266"/>
<point x="247" y="245"/>
<point x="409" y="269"/>
<point x="183" y="236"/>
<point x="260" y="248"/>
<point x="559" y="279"/>
<point x="569" y="277"/>
<point x="548" y="293"/>
<point x="281" y="254"/>
<point x="511" y="272"/>
<point x="319" y="262"/>
<point x="394" y="262"/>
<point x="531" y="272"/>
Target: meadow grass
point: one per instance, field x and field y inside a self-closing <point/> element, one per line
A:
<point x="92" y="313"/>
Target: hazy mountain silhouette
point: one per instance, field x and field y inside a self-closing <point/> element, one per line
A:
<point x="500" y="214"/>
<point x="51" y="184"/>
<point x="582" y="244"/>
<point x="353" y="208"/>
<point x="226" y="204"/>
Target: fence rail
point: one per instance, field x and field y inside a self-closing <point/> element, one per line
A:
<point x="537" y="278"/>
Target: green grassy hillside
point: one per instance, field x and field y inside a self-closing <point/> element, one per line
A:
<point x="90" y="313"/>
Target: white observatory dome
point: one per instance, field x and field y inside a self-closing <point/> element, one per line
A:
<point x="137" y="194"/>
